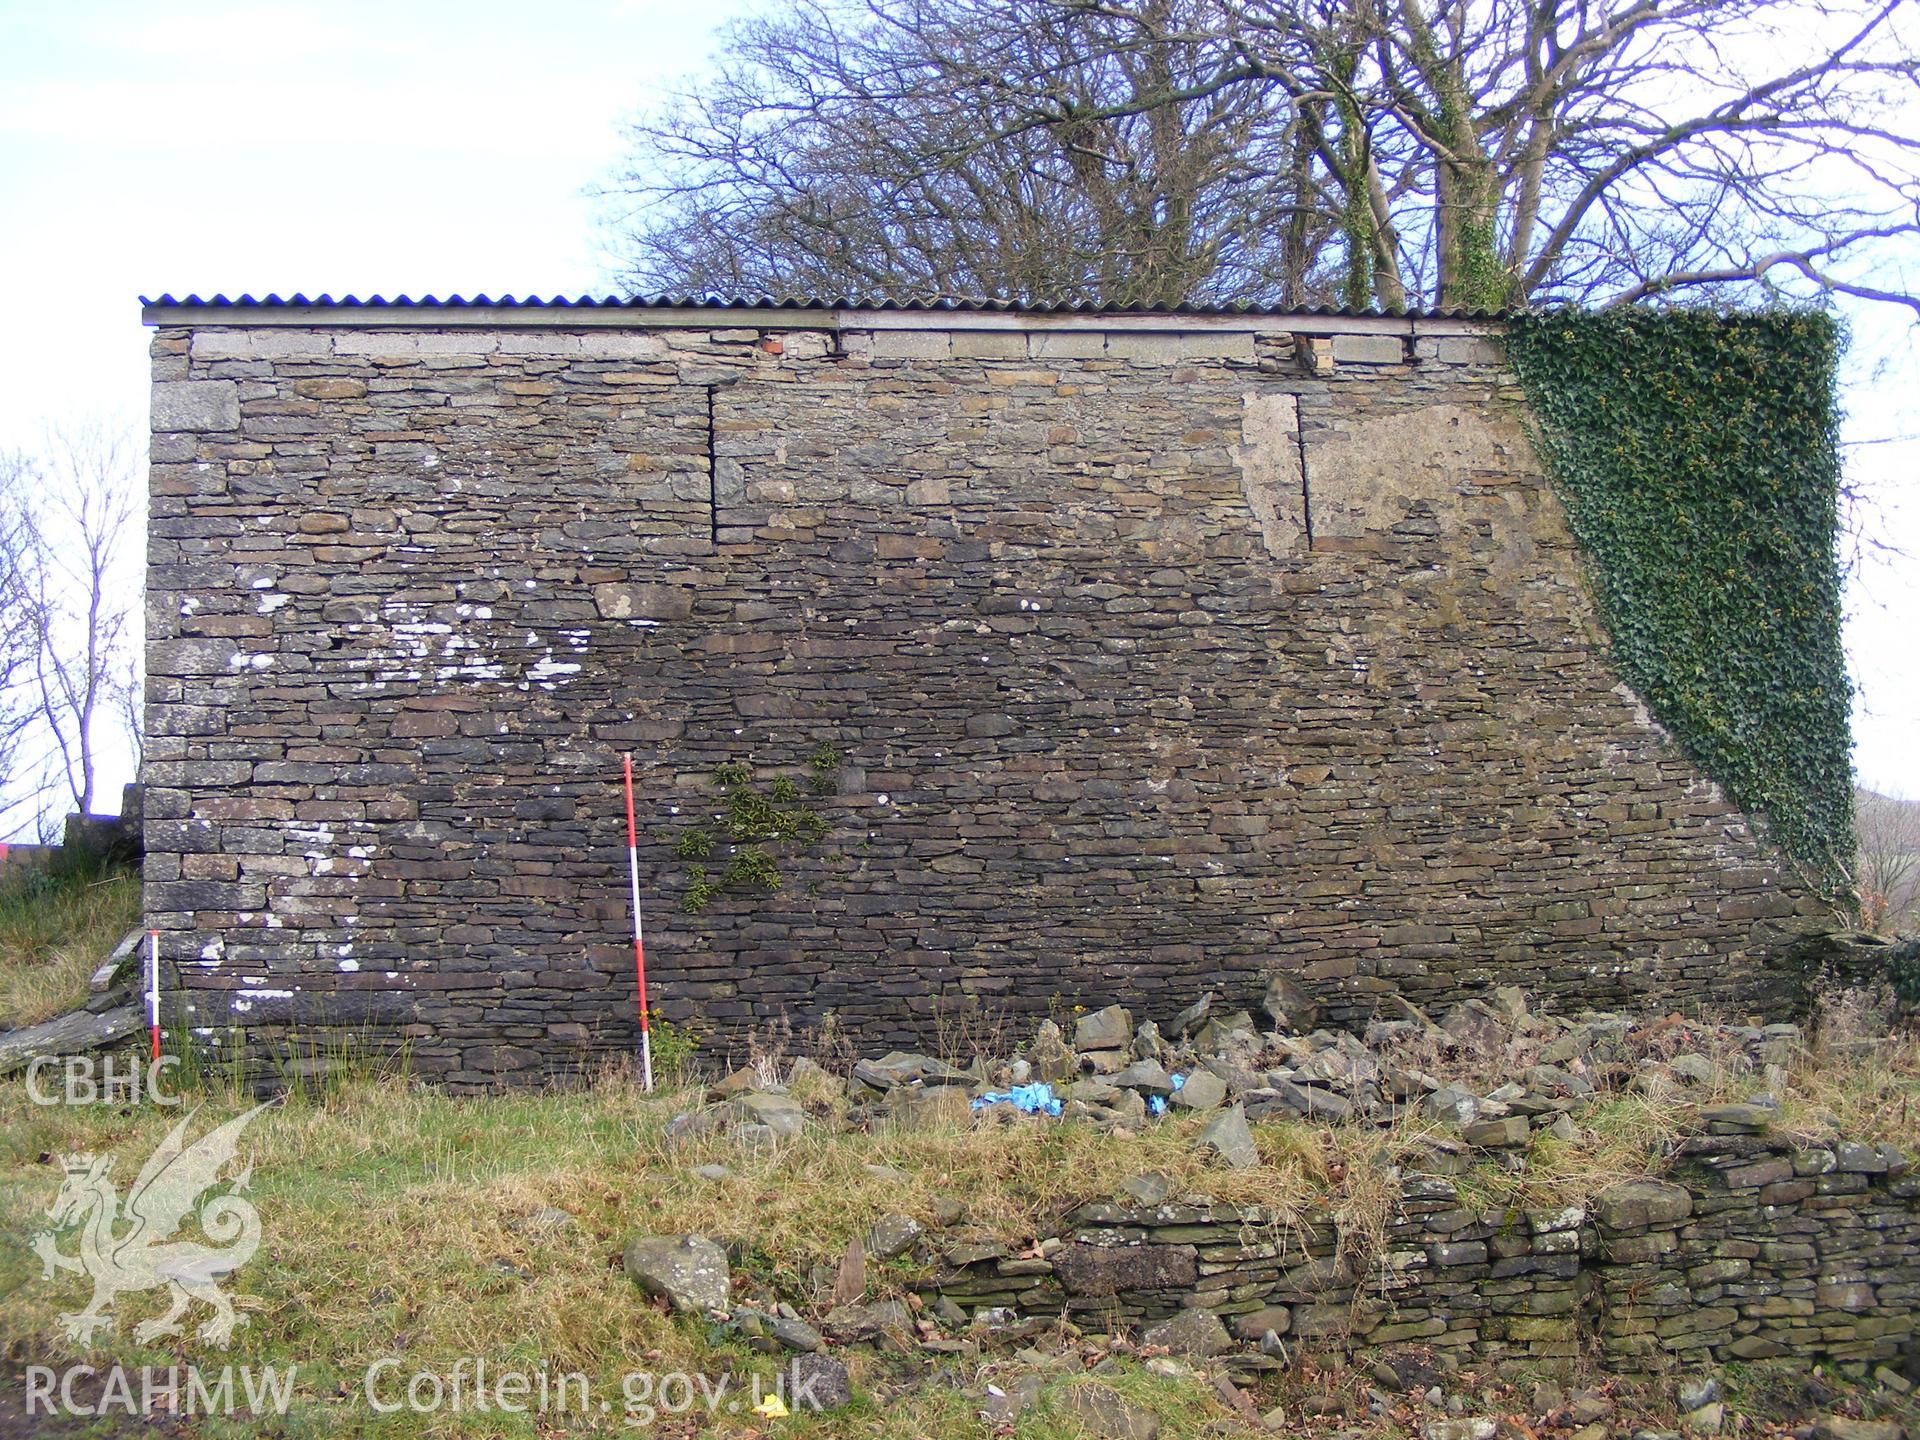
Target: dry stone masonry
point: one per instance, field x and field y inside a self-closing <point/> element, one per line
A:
<point x="1133" y="653"/>
<point x="1755" y="1251"/>
<point x="1714" y="1265"/>
<point x="1736" y="1239"/>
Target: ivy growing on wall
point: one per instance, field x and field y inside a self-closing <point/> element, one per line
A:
<point x="1697" y="458"/>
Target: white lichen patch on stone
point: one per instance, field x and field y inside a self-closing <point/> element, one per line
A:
<point x="318" y="837"/>
<point x="350" y="867"/>
<point x="423" y="642"/>
<point x="548" y="673"/>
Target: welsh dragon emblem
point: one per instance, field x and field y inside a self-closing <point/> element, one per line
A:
<point x="134" y="1249"/>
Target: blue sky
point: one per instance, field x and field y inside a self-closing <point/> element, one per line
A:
<point x="424" y="146"/>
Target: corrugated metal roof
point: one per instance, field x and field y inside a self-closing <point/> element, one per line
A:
<point x="930" y="305"/>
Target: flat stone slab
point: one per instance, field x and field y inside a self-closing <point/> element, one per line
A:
<point x="1636" y="1204"/>
<point x="1197" y="1334"/>
<point x="68" y="1034"/>
<point x="689" y="1271"/>
<point x="1108" y="1029"/>
<point x="1109" y="1269"/>
<point x="1226" y="1135"/>
<point x="1100" y="1411"/>
<point x="904" y="1067"/>
<point x="102" y="979"/>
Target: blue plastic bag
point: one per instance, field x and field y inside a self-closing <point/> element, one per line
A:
<point x="1035" y="1099"/>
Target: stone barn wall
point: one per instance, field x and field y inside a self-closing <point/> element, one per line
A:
<point x="1139" y="655"/>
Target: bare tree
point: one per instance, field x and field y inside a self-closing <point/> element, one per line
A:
<point x="17" y="696"/>
<point x="1888" y="874"/>
<point x="70" y="606"/>
<point x="1469" y="153"/>
<point x="848" y="151"/>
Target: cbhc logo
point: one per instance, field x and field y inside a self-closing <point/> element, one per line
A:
<point x="109" y="1080"/>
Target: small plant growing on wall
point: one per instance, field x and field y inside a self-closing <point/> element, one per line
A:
<point x="674" y="1046"/>
<point x="823" y="766"/>
<point x="757" y="825"/>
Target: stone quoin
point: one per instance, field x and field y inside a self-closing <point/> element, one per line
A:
<point x="1136" y="655"/>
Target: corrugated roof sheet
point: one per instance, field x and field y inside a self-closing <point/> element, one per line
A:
<point x="929" y="305"/>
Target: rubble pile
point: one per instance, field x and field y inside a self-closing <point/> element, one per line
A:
<point x="1496" y="1072"/>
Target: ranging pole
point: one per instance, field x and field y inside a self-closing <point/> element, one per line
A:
<point x="639" y="939"/>
<point x="153" y="990"/>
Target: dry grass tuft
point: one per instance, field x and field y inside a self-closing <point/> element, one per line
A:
<point x="53" y="933"/>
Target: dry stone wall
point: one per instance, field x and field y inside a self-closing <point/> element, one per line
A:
<point x="1141" y="661"/>
<point x="1749" y="1249"/>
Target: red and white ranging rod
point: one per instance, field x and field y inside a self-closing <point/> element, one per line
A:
<point x="639" y="938"/>
<point x="153" y="990"/>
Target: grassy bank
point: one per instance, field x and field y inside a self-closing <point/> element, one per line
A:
<point x="55" y="928"/>
<point x="400" y="1223"/>
<point x="405" y="1225"/>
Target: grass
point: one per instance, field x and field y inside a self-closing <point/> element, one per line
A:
<point x="396" y="1226"/>
<point x="395" y="1223"/>
<point x="55" y="929"/>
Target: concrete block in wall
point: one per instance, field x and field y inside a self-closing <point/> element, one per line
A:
<point x="1468" y="350"/>
<point x="1369" y="350"/>
<point x="912" y="344"/>
<point x="376" y="342"/>
<point x="621" y="345"/>
<point x="1217" y="345"/>
<point x="224" y="344"/>
<point x="1067" y="344"/>
<point x="539" y="342"/>
<point x="989" y="345"/>
<point x="1147" y="348"/>
<point x="262" y="345"/>
<point x="457" y="342"/>
<point x="196" y="405"/>
<point x="807" y="344"/>
<point x="292" y="345"/>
